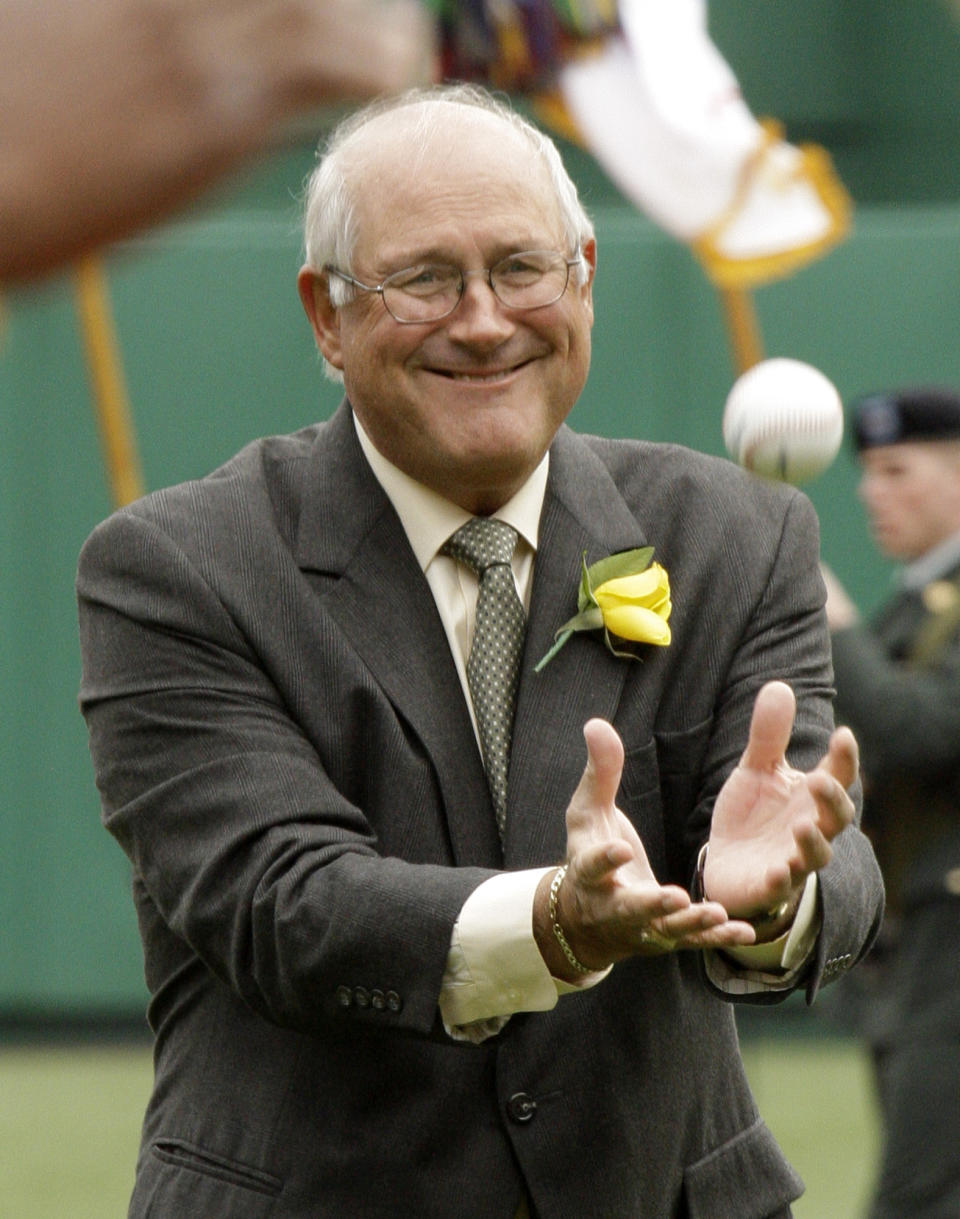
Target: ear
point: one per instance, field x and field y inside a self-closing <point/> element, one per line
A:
<point x="324" y="318"/>
<point x="586" y="288"/>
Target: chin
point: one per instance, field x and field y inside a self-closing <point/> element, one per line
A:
<point x="487" y="479"/>
<point x="495" y="442"/>
<point x="895" y="550"/>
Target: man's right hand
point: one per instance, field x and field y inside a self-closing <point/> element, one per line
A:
<point x="610" y="905"/>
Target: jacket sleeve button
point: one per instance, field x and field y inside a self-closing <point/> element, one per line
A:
<point x="394" y="1002"/>
<point x="361" y="996"/>
<point x="378" y="1000"/>
<point x="344" y="996"/>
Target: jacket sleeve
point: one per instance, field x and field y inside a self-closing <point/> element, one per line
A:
<point x="244" y="845"/>
<point x="785" y="636"/>
<point x="906" y="719"/>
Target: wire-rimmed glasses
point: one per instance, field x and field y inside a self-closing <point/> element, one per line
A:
<point x="428" y="292"/>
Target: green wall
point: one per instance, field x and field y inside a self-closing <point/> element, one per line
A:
<point x="217" y="351"/>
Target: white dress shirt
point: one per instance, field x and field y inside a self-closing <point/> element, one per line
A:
<point x="494" y="967"/>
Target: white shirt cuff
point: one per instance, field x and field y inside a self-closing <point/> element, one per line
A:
<point x="494" y="967"/>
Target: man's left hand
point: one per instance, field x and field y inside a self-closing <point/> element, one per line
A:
<point x="773" y="825"/>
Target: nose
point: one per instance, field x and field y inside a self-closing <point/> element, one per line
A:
<point x="480" y="317"/>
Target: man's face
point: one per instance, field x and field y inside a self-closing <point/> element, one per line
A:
<point x="912" y="495"/>
<point x="467" y="405"/>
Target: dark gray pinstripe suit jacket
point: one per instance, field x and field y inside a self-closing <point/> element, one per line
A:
<point x="283" y="751"/>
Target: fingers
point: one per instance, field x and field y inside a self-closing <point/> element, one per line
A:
<point x="843" y="758"/>
<point x="828" y="785"/>
<point x="592" y="812"/>
<point x="689" y="922"/>
<point x="603" y="847"/>
<point x="701" y="925"/>
<point x="811" y="851"/>
<point x="609" y="921"/>
<point x="770" y="727"/>
<point x="834" y="808"/>
<point x="601" y="778"/>
<point x="596" y="864"/>
<point x="813" y="835"/>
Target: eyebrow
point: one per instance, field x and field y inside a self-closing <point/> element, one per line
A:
<point x="420" y="257"/>
<point x="437" y="254"/>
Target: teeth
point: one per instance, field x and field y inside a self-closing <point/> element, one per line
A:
<point x="476" y="378"/>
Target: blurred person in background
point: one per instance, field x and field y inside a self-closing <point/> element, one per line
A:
<point x="898" y="687"/>
<point x="115" y="112"/>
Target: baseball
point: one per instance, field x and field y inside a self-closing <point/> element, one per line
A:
<point x="783" y="419"/>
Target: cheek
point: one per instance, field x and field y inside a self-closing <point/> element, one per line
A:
<point x="372" y="341"/>
<point x="577" y="364"/>
<point x="375" y="380"/>
<point x="915" y="502"/>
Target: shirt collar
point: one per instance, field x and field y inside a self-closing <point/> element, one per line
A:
<point x="428" y="519"/>
<point x="933" y="565"/>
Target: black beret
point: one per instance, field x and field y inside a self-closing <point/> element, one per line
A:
<point x="927" y="413"/>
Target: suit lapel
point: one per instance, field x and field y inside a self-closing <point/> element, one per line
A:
<point x="583" y="512"/>
<point x="351" y="541"/>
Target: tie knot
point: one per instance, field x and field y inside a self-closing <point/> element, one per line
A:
<point x="481" y="543"/>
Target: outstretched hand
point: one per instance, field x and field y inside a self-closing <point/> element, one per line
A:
<point x="610" y="904"/>
<point x="773" y="825"/>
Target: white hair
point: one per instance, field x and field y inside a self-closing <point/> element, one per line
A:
<point x="329" y="212"/>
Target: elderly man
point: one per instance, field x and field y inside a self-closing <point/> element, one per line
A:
<point x="411" y="949"/>
<point x="898" y="685"/>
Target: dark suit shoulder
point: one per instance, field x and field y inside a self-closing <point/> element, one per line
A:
<point x="261" y="482"/>
<point x="645" y="469"/>
<point x="686" y="502"/>
<point x="268" y="455"/>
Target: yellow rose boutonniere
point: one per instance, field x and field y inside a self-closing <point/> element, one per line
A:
<point x="625" y="595"/>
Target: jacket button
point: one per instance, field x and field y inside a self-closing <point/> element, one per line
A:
<point x="378" y="1000"/>
<point x="394" y="1002"/>
<point x="521" y="1107"/>
<point x="361" y="996"/>
<point x="344" y="996"/>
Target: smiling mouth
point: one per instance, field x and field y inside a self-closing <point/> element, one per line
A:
<point x="478" y="378"/>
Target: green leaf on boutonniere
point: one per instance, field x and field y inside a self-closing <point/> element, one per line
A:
<point x="626" y="563"/>
<point x="625" y="595"/>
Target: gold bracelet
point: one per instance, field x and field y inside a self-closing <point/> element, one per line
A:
<point x="557" y="929"/>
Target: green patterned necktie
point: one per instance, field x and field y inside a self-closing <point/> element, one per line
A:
<point x="493" y="669"/>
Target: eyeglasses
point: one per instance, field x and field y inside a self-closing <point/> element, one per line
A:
<point x="428" y="292"/>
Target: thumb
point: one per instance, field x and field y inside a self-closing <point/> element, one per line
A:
<point x="601" y="777"/>
<point x="770" y="727"/>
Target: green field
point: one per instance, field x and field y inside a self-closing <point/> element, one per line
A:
<point x="69" y="1121"/>
<point x="817" y="1097"/>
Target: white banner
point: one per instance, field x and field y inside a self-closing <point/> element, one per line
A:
<point x="662" y="112"/>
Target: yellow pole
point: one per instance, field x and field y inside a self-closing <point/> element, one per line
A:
<point x="107" y="382"/>
<point x="743" y="327"/>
